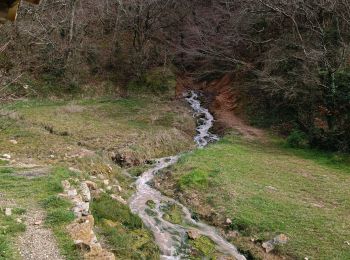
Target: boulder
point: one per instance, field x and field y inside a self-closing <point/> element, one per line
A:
<point x="92" y="185"/>
<point x="81" y="229"/>
<point x="193" y="234"/>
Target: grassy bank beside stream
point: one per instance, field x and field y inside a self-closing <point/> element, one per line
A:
<point x="266" y="190"/>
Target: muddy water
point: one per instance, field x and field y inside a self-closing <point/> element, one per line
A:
<point x="171" y="238"/>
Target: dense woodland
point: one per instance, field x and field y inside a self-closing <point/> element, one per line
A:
<point x="289" y="59"/>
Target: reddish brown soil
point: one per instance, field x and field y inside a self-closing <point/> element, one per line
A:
<point x="224" y="102"/>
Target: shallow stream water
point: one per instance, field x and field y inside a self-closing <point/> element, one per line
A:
<point x="172" y="239"/>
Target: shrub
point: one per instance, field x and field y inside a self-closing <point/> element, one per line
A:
<point x="297" y="139"/>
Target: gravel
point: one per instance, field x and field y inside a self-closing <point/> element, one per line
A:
<point x="37" y="242"/>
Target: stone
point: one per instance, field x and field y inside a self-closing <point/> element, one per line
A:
<point x="81" y="245"/>
<point x="232" y="234"/>
<point x="119" y="199"/>
<point x="85" y="192"/>
<point x="106" y="182"/>
<point x="117" y="188"/>
<point x="72" y="193"/>
<point x="13" y="141"/>
<point x="18" y="220"/>
<point x="37" y="223"/>
<point x="92" y="185"/>
<point x="268" y="246"/>
<point x="228" y="221"/>
<point x="66" y="185"/>
<point x="6" y="156"/>
<point x="347" y="243"/>
<point x="193" y="234"/>
<point x="82" y="229"/>
<point x="109" y="188"/>
<point x="99" y="253"/>
<point x="8" y="212"/>
<point x="280" y="239"/>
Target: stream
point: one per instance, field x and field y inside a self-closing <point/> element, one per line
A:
<point x="172" y="239"/>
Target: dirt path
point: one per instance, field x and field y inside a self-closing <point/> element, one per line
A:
<point x="37" y="242"/>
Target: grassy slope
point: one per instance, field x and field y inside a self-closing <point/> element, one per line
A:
<point x="267" y="190"/>
<point x="145" y="127"/>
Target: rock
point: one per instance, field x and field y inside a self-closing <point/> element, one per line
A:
<point x="82" y="229"/>
<point x="347" y="243"/>
<point x="268" y="246"/>
<point x="228" y="221"/>
<point x="119" y="199"/>
<point x="66" y="185"/>
<point x="85" y="192"/>
<point x="117" y="188"/>
<point x="37" y="223"/>
<point x="8" y="212"/>
<point x="101" y="176"/>
<point x="106" y="182"/>
<point x="52" y="156"/>
<point x="232" y="234"/>
<point x="99" y="253"/>
<point x="6" y="156"/>
<point x="109" y="188"/>
<point x="12" y="141"/>
<point x="18" y="220"/>
<point x="280" y="239"/>
<point x="193" y="234"/>
<point x="92" y="185"/>
<point x="72" y="193"/>
<point x="81" y="245"/>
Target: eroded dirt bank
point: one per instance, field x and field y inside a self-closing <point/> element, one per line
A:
<point x="224" y="102"/>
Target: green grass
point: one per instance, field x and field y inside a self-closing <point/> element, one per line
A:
<point x="29" y="193"/>
<point x="123" y="231"/>
<point x="143" y="127"/>
<point x="267" y="189"/>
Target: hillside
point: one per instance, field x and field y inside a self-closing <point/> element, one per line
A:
<point x="178" y="129"/>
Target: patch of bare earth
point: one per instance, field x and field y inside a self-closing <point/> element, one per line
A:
<point x="37" y="242"/>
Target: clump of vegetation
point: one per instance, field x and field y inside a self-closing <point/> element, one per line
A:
<point x="297" y="139"/>
<point x="123" y="231"/>
<point x="203" y="248"/>
<point x="172" y="213"/>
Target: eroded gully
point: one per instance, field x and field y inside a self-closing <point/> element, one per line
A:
<point x="172" y="238"/>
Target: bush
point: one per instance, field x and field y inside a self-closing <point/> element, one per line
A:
<point x="297" y="139"/>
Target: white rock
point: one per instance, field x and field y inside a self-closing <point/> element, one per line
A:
<point x="6" y="156"/>
<point x="72" y="193"/>
<point x="8" y="211"/>
<point x="12" y="141"/>
<point x="52" y="156"/>
<point x="85" y="192"/>
<point x="37" y="223"/>
<point x="228" y="221"/>
<point x="106" y="182"/>
<point x="119" y="199"/>
<point x="109" y="188"/>
<point x="18" y="220"/>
